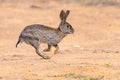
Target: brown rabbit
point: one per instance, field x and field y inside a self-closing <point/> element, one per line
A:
<point x="37" y="33"/>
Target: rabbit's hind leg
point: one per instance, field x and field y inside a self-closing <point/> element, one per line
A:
<point x="48" y="49"/>
<point x="35" y="44"/>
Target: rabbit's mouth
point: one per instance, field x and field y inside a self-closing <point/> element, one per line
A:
<point x="71" y="32"/>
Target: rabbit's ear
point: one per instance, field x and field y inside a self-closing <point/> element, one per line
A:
<point x="66" y="14"/>
<point x="62" y="15"/>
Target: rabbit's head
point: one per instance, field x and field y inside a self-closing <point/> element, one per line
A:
<point x="64" y="26"/>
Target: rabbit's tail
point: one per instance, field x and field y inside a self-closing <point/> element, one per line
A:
<point x="19" y="41"/>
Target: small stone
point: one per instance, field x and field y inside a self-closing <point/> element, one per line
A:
<point x="116" y="51"/>
<point x="95" y="51"/>
<point x="1" y="78"/>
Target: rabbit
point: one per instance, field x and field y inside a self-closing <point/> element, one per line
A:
<point x="37" y="33"/>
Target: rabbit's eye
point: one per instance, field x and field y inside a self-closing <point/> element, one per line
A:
<point x="68" y="26"/>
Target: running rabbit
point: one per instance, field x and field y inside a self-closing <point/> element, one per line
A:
<point x="37" y="33"/>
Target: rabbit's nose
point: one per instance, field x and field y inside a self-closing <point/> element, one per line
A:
<point x="73" y="30"/>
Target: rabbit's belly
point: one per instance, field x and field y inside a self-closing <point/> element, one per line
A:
<point x="51" y="41"/>
<point x="50" y="38"/>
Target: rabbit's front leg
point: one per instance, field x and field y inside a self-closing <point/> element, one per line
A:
<point x="48" y="49"/>
<point x="57" y="48"/>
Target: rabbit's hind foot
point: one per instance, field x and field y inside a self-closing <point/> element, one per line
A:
<point x="45" y="57"/>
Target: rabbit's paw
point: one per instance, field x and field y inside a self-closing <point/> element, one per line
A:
<point x="46" y="57"/>
<point x="57" y="52"/>
<point x="46" y="50"/>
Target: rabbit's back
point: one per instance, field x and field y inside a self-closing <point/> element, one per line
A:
<point x="42" y="33"/>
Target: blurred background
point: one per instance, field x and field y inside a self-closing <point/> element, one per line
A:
<point x="97" y="32"/>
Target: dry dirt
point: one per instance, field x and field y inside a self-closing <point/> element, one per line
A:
<point x="91" y="53"/>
